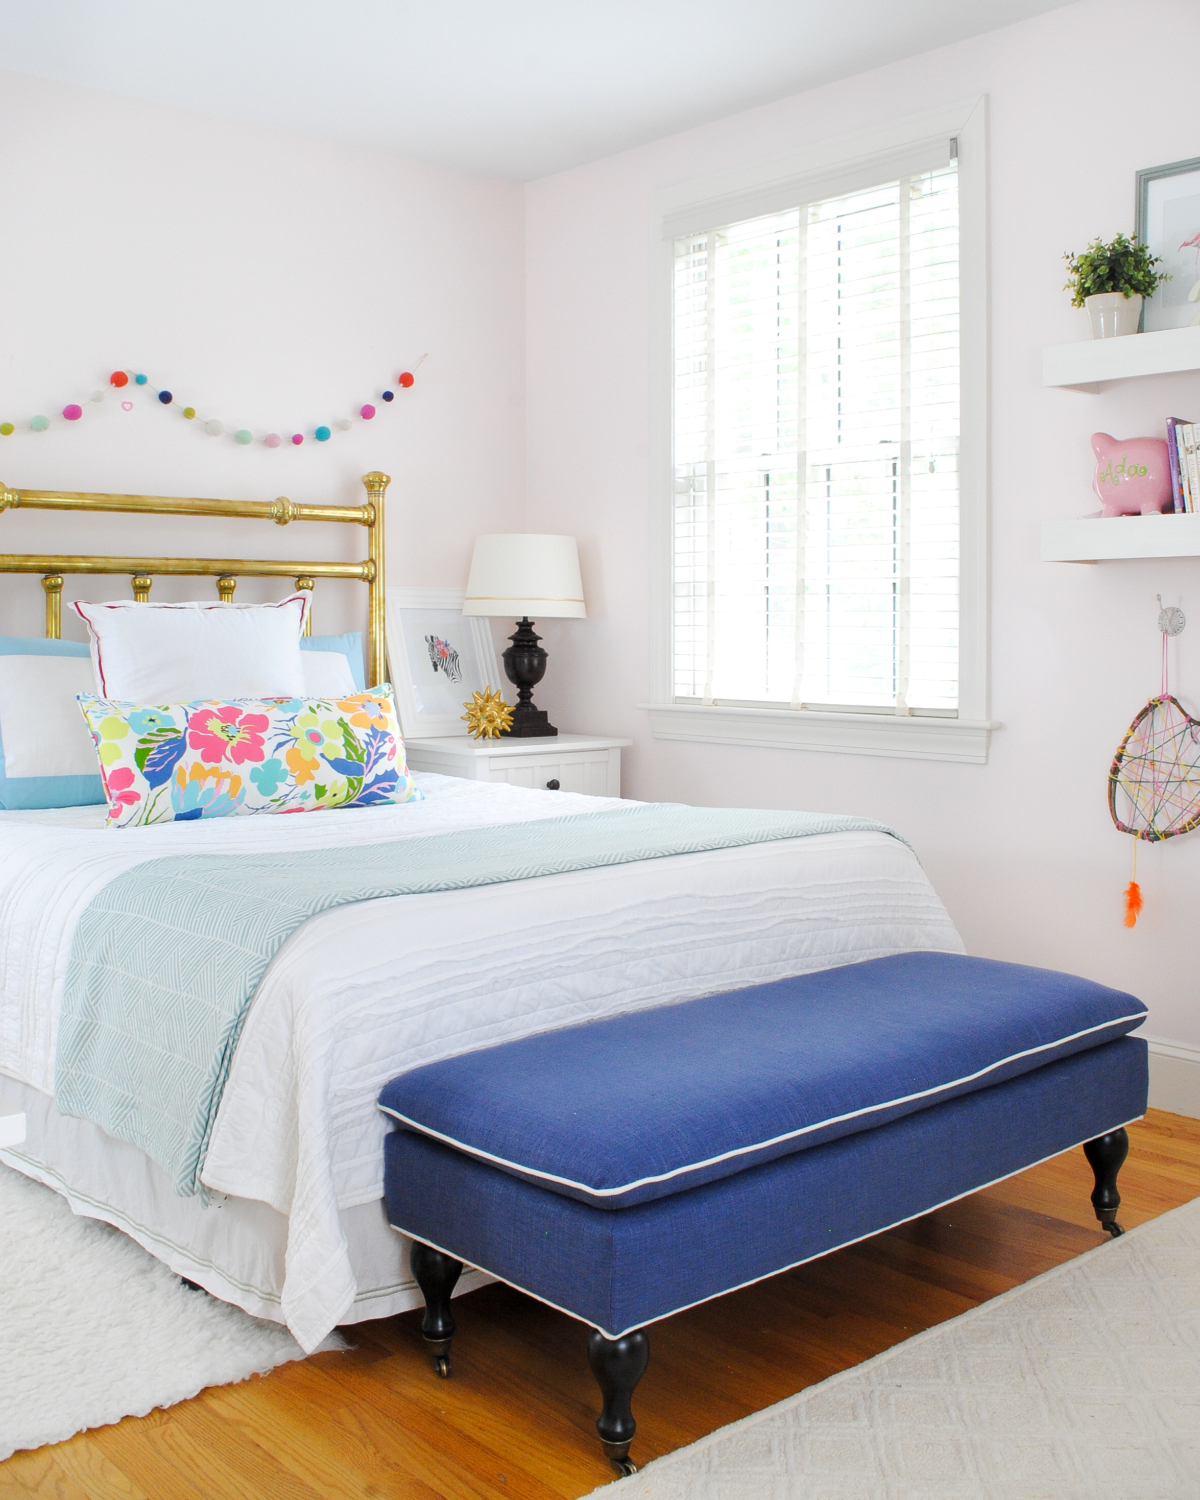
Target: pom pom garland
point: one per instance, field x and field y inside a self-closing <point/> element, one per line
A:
<point x="243" y="436"/>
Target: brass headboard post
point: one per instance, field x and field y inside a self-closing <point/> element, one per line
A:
<point x="306" y="586"/>
<point x="53" y="584"/>
<point x="226" y="571"/>
<point x="376" y="484"/>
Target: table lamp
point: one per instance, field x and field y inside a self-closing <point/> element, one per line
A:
<point x="516" y="577"/>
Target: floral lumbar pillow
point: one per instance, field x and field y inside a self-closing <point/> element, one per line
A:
<point x="211" y="759"/>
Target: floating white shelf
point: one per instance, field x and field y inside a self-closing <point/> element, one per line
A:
<point x="1087" y="365"/>
<point x="1098" y="538"/>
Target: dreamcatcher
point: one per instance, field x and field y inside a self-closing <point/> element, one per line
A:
<point x="1154" y="783"/>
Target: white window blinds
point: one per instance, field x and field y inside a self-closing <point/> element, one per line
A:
<point x="816" y="427"/>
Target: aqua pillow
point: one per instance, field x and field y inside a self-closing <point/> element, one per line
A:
<point x="349" y="645"/>
<point x="38" y="713"/>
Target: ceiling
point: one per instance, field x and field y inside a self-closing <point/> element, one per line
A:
<point x="520" y="88"/>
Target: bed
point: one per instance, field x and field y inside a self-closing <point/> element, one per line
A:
<point x="289" y="1223"/>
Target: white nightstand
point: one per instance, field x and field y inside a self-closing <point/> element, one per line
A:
<point x="564" y="762"/>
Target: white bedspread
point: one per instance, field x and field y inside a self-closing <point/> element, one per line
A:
<point x="363" y="992"/>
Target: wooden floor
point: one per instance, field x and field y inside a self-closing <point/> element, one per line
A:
<point x="516" y="1418"/>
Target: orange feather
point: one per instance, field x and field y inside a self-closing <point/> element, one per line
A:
<point x="1133" y="903"/>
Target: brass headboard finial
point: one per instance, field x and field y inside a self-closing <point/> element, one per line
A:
<point x="283" y="511"/>
<point x="225" y="587"/>
<point x="8" y="498"/>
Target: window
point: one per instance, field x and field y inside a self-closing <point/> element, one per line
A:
<point x="824" y="543"/>
<point x="816" y="426"/>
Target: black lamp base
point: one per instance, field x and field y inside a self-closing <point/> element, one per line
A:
<point x="525" y="663"/>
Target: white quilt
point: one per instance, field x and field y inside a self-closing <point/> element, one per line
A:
<point x="360" y="993"/>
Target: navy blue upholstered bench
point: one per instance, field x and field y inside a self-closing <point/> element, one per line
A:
<point x="628" y="1168"/>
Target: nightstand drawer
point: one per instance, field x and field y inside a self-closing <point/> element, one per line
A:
<point x="577" y="762"/>
<point x="574" y="773"/>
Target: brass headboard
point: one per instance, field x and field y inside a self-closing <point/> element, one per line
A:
<point x="225" y="570"/>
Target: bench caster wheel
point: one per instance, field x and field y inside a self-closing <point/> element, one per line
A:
<point x="625" y="1467"/>
<point x="441" y="1363"/>
<point x="1114" y="1228"/>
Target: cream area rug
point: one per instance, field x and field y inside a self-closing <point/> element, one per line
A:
<point x="1082" y="1383"/>
<point x="92" y="1329"/>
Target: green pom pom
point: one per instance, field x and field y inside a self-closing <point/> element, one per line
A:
<point x="39" y="424"/>
<point x="189" y="412"/>
<point x="243" y="436"/>
<point x="6" y="428"/>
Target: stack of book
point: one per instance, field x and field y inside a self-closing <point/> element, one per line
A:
<point x="1183" y="440"/>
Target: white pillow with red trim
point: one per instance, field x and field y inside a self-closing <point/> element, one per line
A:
<point x="179" y="653"/>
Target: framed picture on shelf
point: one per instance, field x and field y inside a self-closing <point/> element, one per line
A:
<point x="1168" y="222"/>
<point x="438" y="659"/>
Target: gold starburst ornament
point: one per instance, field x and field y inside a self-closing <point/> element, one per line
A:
<point x="487" y="715"/>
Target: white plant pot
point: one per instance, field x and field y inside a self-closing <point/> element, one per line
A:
<point x="1113" y="313"/>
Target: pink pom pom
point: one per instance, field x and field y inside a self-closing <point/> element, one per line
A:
<point x="272" y="440"/>
<point x="297" y="438"/>
<point x="367" y="412"/>
<point x="72" y="412"/>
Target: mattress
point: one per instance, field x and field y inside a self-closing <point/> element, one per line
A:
<point x="364" y="992"/>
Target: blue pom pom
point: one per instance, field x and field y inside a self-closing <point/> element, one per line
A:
<point x="389" y="395"/>
<point x="322" y="434"/>
<point x="165" y="397"/>
<point x="139" y="380"/>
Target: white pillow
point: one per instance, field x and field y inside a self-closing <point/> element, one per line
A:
<point x="177" y="653"/>
<point x="41" y="728"/>
<point x="327" y="674"/>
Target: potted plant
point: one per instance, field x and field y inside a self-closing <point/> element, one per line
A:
<point x="1110" y="281"/>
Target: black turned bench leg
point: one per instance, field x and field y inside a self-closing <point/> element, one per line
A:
<point x="1106" y="1155"/>
<point x="618" y="1365"/>
<point x="436" y="1275"/>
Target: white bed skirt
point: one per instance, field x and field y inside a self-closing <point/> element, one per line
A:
<point x="232" y="1247"/>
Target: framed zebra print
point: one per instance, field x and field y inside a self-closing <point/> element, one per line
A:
<point x="438" y="659"/>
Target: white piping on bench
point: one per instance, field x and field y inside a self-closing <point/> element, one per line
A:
<point x="790" y="1135"/>
<point x="779" y="1270"/>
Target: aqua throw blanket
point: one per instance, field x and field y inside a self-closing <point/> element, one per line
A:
<point x="166" y="959"/>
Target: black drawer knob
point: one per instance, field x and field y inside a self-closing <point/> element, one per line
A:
<point x="552" y="786"/>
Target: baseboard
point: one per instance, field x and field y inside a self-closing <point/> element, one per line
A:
<point x="1174" y="1077"/>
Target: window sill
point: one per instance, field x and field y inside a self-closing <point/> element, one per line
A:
<point x="898" y="736"/>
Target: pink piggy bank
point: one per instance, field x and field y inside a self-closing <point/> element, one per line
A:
<point x="1133" y="477"/>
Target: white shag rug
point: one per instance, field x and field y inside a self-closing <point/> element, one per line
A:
<point x="93" y="1329"/>
<point x="1084" y="1382"/>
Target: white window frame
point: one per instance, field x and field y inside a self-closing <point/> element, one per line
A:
<point x="828" y="169"/>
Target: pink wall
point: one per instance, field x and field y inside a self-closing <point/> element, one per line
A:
<point x="1021" y="849"/>
<point x="270" y="279"/>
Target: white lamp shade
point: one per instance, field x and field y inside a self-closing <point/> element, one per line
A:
<point x="524" y="575"/>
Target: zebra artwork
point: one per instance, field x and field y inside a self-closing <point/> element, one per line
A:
<point x="444" y="658"/>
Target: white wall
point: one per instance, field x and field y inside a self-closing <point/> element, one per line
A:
<point x="274" y="282"/>
<point x="1022" y="849"/>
